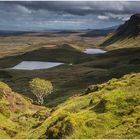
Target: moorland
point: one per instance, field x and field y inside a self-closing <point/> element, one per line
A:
<point x="95" y="95"/>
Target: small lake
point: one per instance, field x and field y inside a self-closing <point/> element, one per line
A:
<point x="94" y="51"/>
<point x="34" y="65"/>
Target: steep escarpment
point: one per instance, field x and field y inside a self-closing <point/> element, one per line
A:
<point x="127" y="35"/>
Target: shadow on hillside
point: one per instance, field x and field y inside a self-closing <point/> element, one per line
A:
<point x="71" y="80"/>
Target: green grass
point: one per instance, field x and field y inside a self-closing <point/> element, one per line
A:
<point x="17" y="114"/>
<point x="113" y="113"/>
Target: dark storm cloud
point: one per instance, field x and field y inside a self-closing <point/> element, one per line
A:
<point x="64" y="14"/>
<point x="83" y="7"/>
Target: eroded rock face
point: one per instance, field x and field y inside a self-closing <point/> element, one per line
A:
<point x="130" y="27"/>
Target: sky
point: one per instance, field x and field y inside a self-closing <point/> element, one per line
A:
<point x="64" y="15"/>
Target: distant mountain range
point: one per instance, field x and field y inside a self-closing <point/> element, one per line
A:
<point x="100" y="32"/>
<point x="13" y="33"/>
<point x="87" y="32"/>
<point x="127" y="35"/>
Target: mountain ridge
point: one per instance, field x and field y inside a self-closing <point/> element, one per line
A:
<point x="99" y="32"/>
<point x="127" y="35"/>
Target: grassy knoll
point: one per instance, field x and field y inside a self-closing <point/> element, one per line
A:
<point x="61" y="53"/>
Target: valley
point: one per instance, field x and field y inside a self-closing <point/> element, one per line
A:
<point x="69" y="79"/>
<point x="96" y="92"/>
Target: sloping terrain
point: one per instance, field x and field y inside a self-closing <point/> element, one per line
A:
<point x="18" y="114"/>
<point x="126" y="36"/>
<point x="109" y="110"/>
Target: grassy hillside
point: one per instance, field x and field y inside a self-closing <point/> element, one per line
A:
<point x="18" y="114"/>
<point x="112" y="110"/>
<point x="108" y="110"/>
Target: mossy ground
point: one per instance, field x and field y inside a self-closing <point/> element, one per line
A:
<point x="111" y="112"/>
<point x="18" y="114"/>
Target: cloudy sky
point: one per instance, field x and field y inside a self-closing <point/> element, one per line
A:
<point x="48" y="15"/>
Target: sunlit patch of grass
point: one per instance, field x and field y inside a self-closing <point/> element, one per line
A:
<point x="118" y="119"/>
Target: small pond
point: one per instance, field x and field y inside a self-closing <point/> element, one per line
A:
<point x="94" y="51"/>
<point x="34" y="65"/>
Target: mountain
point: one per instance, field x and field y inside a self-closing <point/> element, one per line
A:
<point x="127" y="35"/>
<point x="130" y="28"/>
<point x="99" y="32"/>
